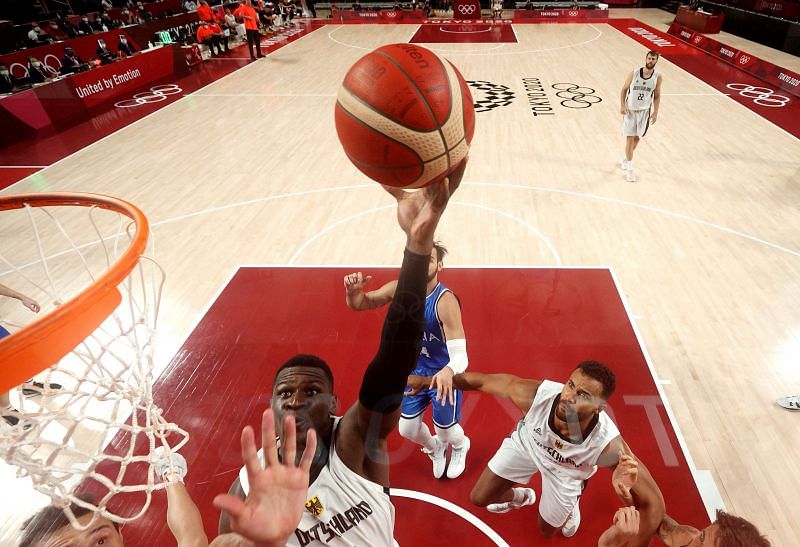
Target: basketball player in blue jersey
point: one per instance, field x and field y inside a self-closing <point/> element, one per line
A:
<point x="639" y="100"/>
<point x="565" y="435"/>
<point x="443" y="354"/>
<point x="348" y="501"/>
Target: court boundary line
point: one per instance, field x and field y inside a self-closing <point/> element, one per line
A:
<point x="710" y="508"/>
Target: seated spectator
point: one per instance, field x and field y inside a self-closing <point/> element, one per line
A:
<point x="222" y="39"/>
<point x="55" y="31"/>
<point x="105" y="55"/>
<point x="37" y="36"/>
<point x="204" y="11"/>
<point x="84" y="27"/>
<point x="357" y="6"/>
<point x="69" y="29"/>
<point x="98" y="25"/>
<point x="397" y="6"/>
<point x="230" y="20"/>
<point x="124" y="47"/>
<point x="36" y="71"/>
<point x="128" y="17"/>
<point x="144" y="15"/>
<point x="190" y="5"/>
<point x="529" y="5"/>
<point x="206" y="36"/>
<point x="7" y="81"/>
<point x="72" y="63"/>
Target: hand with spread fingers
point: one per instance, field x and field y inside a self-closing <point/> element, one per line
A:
<point x="624" y="477"/>
<point x="276" y="500"/>
<point x="443" y="383"/>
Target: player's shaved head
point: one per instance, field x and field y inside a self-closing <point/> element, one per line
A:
<point x="309" y="361"/>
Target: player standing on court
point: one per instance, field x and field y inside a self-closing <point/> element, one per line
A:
<point x="443" y="354"/>
<point x="640" y="94"/>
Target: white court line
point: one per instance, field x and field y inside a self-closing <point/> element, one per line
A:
<point x="338" y="223"/>
<point x="701" y="478"/>
<point x="453" y="508"/>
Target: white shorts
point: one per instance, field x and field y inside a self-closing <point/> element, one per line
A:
<point x="559" y="494"/>
<point x="635" y="123"/>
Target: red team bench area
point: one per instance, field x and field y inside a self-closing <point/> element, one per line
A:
<point x="535" y="323"/>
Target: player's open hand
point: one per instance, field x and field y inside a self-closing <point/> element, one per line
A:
<point x="274" y="506"/>
<point x="443" y="382"/>
<point x="355" y="282"/>
<point x="653" y="118"/>
<point x="624" y="477"/>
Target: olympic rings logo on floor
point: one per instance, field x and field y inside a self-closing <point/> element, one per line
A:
<point x="156" y="94"/>
<point x="576" y="96"/>
<point x="762" y="96"/>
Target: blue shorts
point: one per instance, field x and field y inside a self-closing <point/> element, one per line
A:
<point x="443" y="416"/>
<point x="4" y="332"/>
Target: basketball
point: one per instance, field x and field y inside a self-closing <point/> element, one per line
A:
<point x="404" y="116"/>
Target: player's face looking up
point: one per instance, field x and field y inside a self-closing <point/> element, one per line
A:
<point x="580" y="398"/>
<point x="651" y="61"/>
<point x="305" y="393"/>
<point x="434" y="266"/>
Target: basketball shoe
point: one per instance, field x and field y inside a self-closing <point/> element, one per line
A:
<point x="790" y="403"/>
<point x="458" y="460"/>
<point x="169" y="468"/>
<point x="438" y="456"/>
<point x="624" y="164"/>
<point x="573" y="522"/>
<point x="630" y="176"/>
<point x="522" y="497"/>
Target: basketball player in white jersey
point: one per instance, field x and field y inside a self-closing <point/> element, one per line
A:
<point x="640" y="99"/>
<point x="564" y="435"/>
<point x="348" y="502"/>
<point x="443" y="354"/>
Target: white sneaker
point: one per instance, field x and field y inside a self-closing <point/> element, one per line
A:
<point x="631" y="177"/>
<point x="528" y="499"/>
<point x="169" y="468"/>
<point x="438" y="456"/>
<point x="458" y="460"/>
<point x="624" y="164"/>
<point x="790" y="403"/>
<point x="573" y="521"/>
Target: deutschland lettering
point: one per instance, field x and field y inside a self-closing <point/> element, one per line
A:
<point x="537" y="98"/>
<point x="650" y="37"/>
<point x="336" y="526"/>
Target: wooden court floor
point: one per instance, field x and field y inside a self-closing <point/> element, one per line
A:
<point x="705" y="246"/>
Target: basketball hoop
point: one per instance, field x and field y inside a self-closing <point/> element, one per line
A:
<point x="82" y="257"/>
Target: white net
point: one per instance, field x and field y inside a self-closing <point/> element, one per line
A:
<point x="87" y="424"/>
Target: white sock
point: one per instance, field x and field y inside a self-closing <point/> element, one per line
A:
<point x="453" y="435"/>
<point x="415" y="430"/>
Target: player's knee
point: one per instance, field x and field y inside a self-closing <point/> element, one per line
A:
<point x="478" y="498"/>
<point x="408" y="428"/>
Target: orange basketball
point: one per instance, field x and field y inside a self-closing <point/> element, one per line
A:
<point x="404" y="116"/>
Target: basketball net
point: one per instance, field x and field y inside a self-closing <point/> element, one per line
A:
<point x="83" y="258"/>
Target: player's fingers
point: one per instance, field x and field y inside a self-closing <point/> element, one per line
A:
<point x="309" y="451"/>
<point x="249" y="453"/>
<point x="289" y="441"/>
<point x="268" y="438"/>
<point x="230" y="504"/>
<point x="450" y="395"/>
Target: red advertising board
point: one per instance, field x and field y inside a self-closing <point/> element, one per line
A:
<point x="784" y="79"/>
<point x="378" y="16"/>
<point x="85" y="47"/>
<point x="538" y="15"/>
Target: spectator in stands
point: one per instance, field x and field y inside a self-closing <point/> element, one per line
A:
<point x="124" y="47"/>
<point x="247" y="14"/>
<point x="310" y="6"/>
<point x="357" y="6"/>
<point x="106" y="5"/>
<point x="37" y="35"/>
<point x="397" y="6"/>
<point x="55" y="32"/>
<point x="98" y="25"/>
<point x="69" y="29"/>
<point x="144" y="15"/>
<point x="7" y="81"/>
<point x="127" y="17"/>
<point x="36" y="71"/>
<point x="206" y="36"/>
<point x="107" y="22"/>
<point x="72" y="63"/>
<point x="204" y="11"/>
<point x="529" y="5"/>
<point x="105" y="55"/>
<point x="84" y="27"/>
<point x="190" y="5"/>
<point x="230" y="20"/>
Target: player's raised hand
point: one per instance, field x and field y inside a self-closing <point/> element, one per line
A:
<point x="355" y="282"/>
<point x="30" y="303"/>
<point x="443" y="382"/>
<point x="624" y="529"/>
<point x="624" y="477"/>
<point x="274" y="506"/>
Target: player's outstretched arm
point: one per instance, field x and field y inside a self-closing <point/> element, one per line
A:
<point x="361" y="442"/>
<point x="644" y="493"/>
<point x="29" y="303"/>
<point x="359" y="300"/>
<point x="521" y="391"/>
<point x="449" y="312"/>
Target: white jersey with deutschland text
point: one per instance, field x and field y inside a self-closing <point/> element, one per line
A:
<point x="343" y="509"/>
<point x="553" y="453"/>
<point x="641" y="90"/>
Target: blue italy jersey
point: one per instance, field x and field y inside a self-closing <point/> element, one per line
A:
<point x="433" y="356"/>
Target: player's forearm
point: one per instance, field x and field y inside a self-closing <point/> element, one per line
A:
<point x="355" y="300"/>
<point x="183" y="517"/>
<point x="9" y="292"/>
<point x="401" y="338"/>
<point x="651" y="515"/>
<point x="666" y="529"/>
<point x="493" y="384"/>
<point x="656" y="104"/>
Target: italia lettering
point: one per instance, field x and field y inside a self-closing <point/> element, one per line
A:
<point x="650" y="37"/>
<point x="338" y="525"/>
